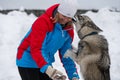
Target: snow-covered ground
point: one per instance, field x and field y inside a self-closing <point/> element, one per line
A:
<point x="15" y="25"/>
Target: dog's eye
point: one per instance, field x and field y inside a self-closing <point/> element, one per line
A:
<point x="81" y="17"/>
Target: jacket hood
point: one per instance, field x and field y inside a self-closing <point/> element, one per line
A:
<point x="50" y="10"/>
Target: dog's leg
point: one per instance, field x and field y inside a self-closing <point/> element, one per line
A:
<point x="86" y="60"/>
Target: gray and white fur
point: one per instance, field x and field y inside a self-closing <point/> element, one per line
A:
<point x="93" y="54"/>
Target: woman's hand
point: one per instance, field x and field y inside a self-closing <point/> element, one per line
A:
<point x="55" y="74"/>
<point x="74" y="78"/>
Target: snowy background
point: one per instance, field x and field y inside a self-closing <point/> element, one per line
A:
<point x="43" y="4"/>
<point x="15" y="24"/>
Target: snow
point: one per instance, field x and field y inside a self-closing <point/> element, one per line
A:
<point x="15" y="24"/>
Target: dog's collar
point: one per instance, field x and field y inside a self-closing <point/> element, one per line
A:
<point x="92" y="33"/>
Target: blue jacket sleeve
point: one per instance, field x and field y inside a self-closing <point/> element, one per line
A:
<point x="68" y="63"/>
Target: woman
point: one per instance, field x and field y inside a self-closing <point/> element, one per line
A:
<point x="52" y="31"/>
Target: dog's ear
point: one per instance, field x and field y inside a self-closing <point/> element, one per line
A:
<point x="92" y="25"/>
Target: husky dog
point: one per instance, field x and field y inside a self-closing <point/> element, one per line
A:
<point x="92" y="55"/>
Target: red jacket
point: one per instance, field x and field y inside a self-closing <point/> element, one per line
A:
<point x="30" y="50"/>
<point x="36" y="37"/>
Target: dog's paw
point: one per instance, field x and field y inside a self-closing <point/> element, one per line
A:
<point x="68" y="53"/>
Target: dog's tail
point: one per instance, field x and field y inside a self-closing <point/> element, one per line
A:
<point x="107" y="74"/>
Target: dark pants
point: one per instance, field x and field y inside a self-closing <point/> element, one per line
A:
<point x="32" y="74"/>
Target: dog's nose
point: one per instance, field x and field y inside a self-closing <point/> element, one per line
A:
<point x="74" y="19"/>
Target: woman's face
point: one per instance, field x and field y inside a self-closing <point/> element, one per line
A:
<point x="63" y="19"/>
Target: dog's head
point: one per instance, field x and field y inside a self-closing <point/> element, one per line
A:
<point x="80" y="21"/>
<point x="84" y="25"/>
